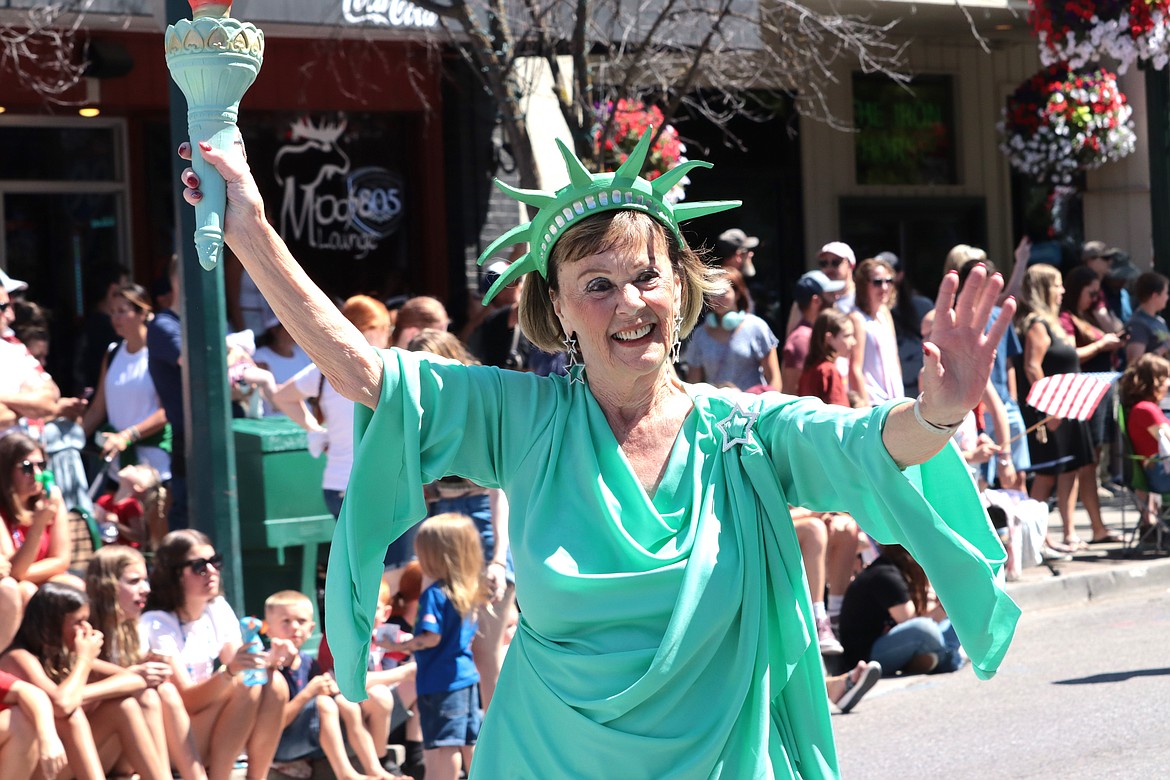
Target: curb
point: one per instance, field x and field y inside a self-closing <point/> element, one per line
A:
<point x="1072" y="588"/>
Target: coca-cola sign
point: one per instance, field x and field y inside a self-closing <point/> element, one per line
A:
<point x="391" y="13"/>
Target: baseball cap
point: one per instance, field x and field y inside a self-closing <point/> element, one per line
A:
<point x="1093" y="249"/>
<point x="891" y="259"/>
<point x="490" y="273"/>
<point x="840" y="249"/>
<point x="816" y="283"/>
<point x="733" y="240"/>
<point x="1121" y="269"/>
<point x="11" y="285"/>
<point x="739" y="239"/>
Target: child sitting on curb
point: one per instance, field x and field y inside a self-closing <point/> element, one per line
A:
<point x="316" y="710"/>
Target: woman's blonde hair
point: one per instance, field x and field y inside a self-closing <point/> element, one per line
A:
<point x="101" y="584"/>
<point x="1036" y="301"/>
<point x="600" y="233"/>
<point x="961" y="254"/>
<point x="449" y="550"/>
<point x="442" y="343"/>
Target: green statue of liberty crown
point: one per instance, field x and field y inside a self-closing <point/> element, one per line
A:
<point x="587" y="194"/>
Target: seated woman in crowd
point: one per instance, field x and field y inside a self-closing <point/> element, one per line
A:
<point x="190" y="622"/>
<point x="117" y="585"/>
<point x="35" y="544"/>
<point x="29" y="745"/>
<point x="889" y="617"/>
<point x="1143" y="387"/>
<point x="98" y="714"/>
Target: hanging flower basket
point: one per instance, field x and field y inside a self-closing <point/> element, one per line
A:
<point x="1082" y="31"/>
<point x="1062" y="121"/>
<point x="630" y="120"/>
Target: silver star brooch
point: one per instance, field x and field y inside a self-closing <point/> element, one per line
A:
<point x="737" y="427"/>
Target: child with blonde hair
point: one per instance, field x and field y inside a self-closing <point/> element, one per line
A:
<point x="451" y="558"/>
<point x="316" y="710"/>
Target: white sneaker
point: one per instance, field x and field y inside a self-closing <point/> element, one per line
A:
<point x="826" y="639"/>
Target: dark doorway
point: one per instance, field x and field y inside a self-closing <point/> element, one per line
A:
<point x="765" y="175"/>
<point x="919" y="230"/>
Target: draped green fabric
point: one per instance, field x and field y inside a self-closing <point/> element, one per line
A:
<point x="667" y="635"/>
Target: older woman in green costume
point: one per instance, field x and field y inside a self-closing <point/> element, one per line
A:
<point x="666" y="629"/>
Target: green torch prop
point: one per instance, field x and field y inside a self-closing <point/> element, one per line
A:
<point x="214" y="59"/>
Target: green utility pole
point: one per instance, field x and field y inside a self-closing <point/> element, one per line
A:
<point x="1158" y="131"/>
<point x="211" y="453"/>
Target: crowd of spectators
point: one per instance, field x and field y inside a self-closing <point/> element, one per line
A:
<point x="139" y="627"/>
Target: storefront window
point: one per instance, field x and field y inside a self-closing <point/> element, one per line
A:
<point x="904" y="136"/>
<point x="63" y="153"/>
<point x="63" y="219"/>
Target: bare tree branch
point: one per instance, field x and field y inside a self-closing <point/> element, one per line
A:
<point x="45" y="53"/>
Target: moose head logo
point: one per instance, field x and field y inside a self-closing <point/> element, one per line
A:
<point x="326" y="205"/>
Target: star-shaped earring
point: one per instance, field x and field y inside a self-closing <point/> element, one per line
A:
<point x="737" y="427"/>
<point x="576" y="369"/>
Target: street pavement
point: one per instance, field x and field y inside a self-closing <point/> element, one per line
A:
<point x="1084" y="692"/>
<point x="1086" y="678"/>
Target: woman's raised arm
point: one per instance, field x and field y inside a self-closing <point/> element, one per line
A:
<point x="334" y="344"/>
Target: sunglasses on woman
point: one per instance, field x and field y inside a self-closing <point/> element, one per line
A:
<point x="29" y="467"/>
<point x="881" y="282"/>
<point x="199" y="565"/>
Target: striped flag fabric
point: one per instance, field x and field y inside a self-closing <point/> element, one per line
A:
<point x="1071" y="396"/>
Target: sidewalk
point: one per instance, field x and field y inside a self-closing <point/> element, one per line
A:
<point x="1098" y="572"/>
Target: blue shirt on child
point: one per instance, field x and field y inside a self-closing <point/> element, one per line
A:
<point x="447" y="666"/>
<point x="298" y="678"/>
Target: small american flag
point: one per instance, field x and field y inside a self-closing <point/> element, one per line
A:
<point x="1071" y="396"/>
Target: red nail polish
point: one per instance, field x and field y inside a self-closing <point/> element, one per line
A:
<point x="205" y="146"/>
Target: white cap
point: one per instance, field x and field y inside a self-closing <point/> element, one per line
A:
<point x="11" y="285"/>
<point x="840" y="249"/>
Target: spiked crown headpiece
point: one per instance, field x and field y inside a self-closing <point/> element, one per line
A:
<point x="592" y="193"/>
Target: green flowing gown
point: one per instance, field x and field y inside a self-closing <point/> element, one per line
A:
<point x="660" y="636"/>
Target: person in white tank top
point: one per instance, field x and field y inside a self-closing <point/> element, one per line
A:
<point x="875" y="371"/>
<point x="126" y="398"/>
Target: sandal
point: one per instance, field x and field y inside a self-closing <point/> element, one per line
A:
<point x="1075" y="543"/>
<point x="1110" y="537"/>
<point x="855" y="689"/>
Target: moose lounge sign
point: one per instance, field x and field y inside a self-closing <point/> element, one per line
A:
<point x="338" y="187"/>
<point x="327" y="201"/>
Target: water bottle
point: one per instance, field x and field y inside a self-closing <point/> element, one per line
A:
<point x="47" y="480"/>
<point x="250" y="629"/>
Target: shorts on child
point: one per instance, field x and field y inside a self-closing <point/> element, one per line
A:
<point x="302" y="738"/>
<point x="450" y="719"/>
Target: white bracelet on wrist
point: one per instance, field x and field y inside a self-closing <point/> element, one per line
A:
<point x="948" y="430"/>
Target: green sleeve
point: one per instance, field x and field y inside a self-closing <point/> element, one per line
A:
<point x="829" y="461"/>
<point x="434" y="418"/>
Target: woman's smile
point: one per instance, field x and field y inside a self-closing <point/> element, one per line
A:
<point x="634" y="334"/>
